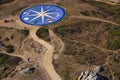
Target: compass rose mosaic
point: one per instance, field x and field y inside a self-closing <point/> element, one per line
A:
<point x="41" y="15"/>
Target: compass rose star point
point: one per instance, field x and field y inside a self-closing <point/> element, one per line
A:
<point x="42" y="14"/>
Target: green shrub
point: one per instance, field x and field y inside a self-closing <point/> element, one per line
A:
<point x="5" y="1"/>
<point x="113" y="45"/>
<point x="114" y="33"/>
<point x="14" y="60"/>
<point x="3" y="58"/>
<point x="9" y="49"/>
<point x="113" y="41"/>
<point x="118" y="20"/>
<point x="9" y="46"/>
<point x="66" y="74"/>
<point x="25" y="32"/>
<point x="115" y="27"/>
<point x="43" y="33"/>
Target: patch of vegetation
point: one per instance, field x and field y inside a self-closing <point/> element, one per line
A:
<point x="7" y="64"/>
<point x="43" y="33"/>
<point x="6" y="39"/>
<point x="5" y="1"/>
<point x="25" y="32"/>
<point x="9" y="49"/>
<point x="118" y="19"/>
<point x="66" y="74"/>
<point x="113" y="41"/>
<point x="113" y="45"/>
<point x="114" y="33"/>
<point x="115" y="27"/>
<point x="108" y="9"/>
<point x="2" y="59"/>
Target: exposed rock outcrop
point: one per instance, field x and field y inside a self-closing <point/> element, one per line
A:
<point x="90" y="74"/>
<point x="30" y="70"/>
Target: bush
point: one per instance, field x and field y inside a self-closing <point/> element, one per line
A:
<point x="113" y="45"/>
<point x="118" y="20"/>
<point x="66" y="74"/>
<point x="3" y="58"/>
<point x="9" y="46"/>
<point x="115" y="27"/>
<point x="114" y="33"/>
<point x="14" y="60"/>
<point x="43" y="33"/>
<point x="113" y="41"/>
<point x="9" y="49"/>
<point x="5" y="1"/>
<point x="25" y="32"/>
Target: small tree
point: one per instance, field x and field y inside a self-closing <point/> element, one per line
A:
<point x="25" y="32"/>
<point x="9" y="49"/>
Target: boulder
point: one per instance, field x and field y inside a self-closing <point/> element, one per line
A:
<point x="90" y="74"/>
<point x="30" y="70"/>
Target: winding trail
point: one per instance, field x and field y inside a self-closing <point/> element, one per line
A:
<point x="98" y="47"/>
<point x="56" y="41"/>
<point x="108" y="2"/>
<point x="14" y="55"/>
<point x="48" y="55"/>
<point x="94" y="19"/>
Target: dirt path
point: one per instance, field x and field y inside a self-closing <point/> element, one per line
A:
<point x="56" y="42"/>
<point x="14" y="55"/>
<point x="108" y="2"/>
<point x="48" y="55"/>
<point x="94" y="19"/>
<point x="98" y="47"/>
